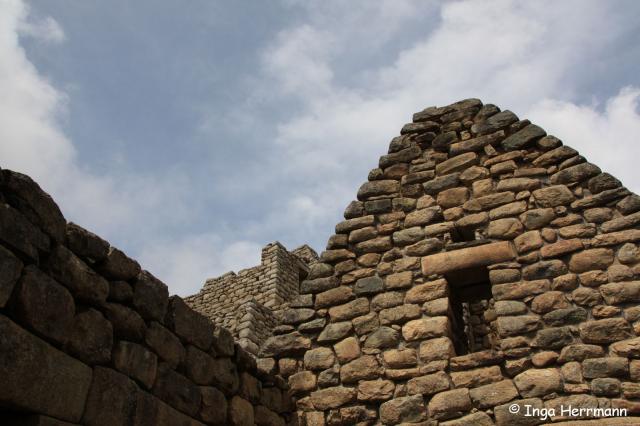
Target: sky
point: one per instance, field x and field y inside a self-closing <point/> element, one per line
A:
<point x="191" y="134"/>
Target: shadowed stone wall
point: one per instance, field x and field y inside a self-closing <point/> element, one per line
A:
<point x="483" y="264"/>
<point x="88" y="338"/>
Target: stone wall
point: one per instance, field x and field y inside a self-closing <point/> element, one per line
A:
<point x="484" y="264"/>
<point x="248" y="303"/>
<point x="87" y="337"/>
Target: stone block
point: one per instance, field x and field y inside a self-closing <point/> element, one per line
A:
<point x="136" y="362"/>
<point x="493" y="394"/>
<point x="85" y="244"/>
<point x="468" y="258"/>
<point x="528" y="241"/>
<point x="10" y="269"/>
<point x="375" y="390"/>
<point x="302" y="382"/>
<point x="437" y="349"/>
<point x="604" y="331"/>
<point x="553" y="196"/>
<point x="505" y="417"/>
<point x="476" y="377"/>
<point x="549" y="301"/>
<point x="428" y="384"/>
<point x="506" y="229"/>
<point x="623" y="292"/>
<point x="177" y="391"/>
<point x="91" y="337"/>
<point x="151" y="411"/>
<point x="225" y="375"/>
<point x="43" y="305"/>
<point x="538" y="382"/>
<point x="378" y="188"/>
<point x="516" y="325"/>
<point x="198" y="365"/>
<point x="605" y="367"/>
<point x="347" y="349"/>
<point x="350" y="310"/>
<point x="579" y="352"/>
<point x="476" y="359"/>
<point x="408" y="409"/>
<point x="544" y="269"/>
<point x="36" y="205"/>
<point x="127" y="323"/>
<point x="626" y="348"/>
<point x="120" y="291"/>
<point x="333" y="397"/>
<point x="73" y="273"/>
<point x="20" y="234"/>
<point x="553" y="338"/>
<point x="537" y="218"/>
<point x="587" y="260"/>
<point x="223" y="342"/>
<point x="188" y="324"/>
<point x="214" y="406"/>
<point x="383" y="337"/>
<point x="428" y="291"/>
<point x="400" y="358"/>
<point x="453" y="403"/>
<point x="118" y="266"/>
<point x="364" y="368"/>
<point x="150" y="297"/>
<point x="574" y="174"/>
<point x="36" y="377"/>
<point x="399" y="280"/>
<point x="519" y="290"/>
<point x="426" y="328"/>
<point x="399" y="314"/>
<point x="457" y="163"/>
<point x="319" y="358"/>
<point x="476" y="419"/>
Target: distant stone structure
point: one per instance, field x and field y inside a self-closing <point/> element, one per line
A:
<point x="484" y="272"/>
<point x="248" y="303"/>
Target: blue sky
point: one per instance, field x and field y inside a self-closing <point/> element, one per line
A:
<point x="190" y="134"/>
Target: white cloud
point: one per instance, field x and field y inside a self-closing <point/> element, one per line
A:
<point x="186" y="262"/>
<point x="606" y="137"/>
<point x="46" y="30"/>
<point x="526" y="57"/>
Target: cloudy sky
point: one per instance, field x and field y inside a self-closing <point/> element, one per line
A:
<point x="190" y="134"/>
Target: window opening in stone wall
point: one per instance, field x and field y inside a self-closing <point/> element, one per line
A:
<point x="470" y="297"/>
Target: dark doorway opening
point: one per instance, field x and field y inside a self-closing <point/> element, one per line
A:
<point x="470" y="297"/>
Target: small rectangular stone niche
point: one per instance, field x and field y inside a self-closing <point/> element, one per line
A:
<point x="461" y="235"/>
<point x="470" y="297"/>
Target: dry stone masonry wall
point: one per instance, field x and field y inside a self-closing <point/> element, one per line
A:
<point x="88" y="338"/>
<point x="250" y="302"/>
<point x="483" y="264"/>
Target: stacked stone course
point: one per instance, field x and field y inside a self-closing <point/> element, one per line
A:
<point x="88" y="338"/>
<point x="483" y="264"/>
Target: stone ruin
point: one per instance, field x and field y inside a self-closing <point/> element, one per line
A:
<point x="250" y="303"/>
<point x="486" y="270"/>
